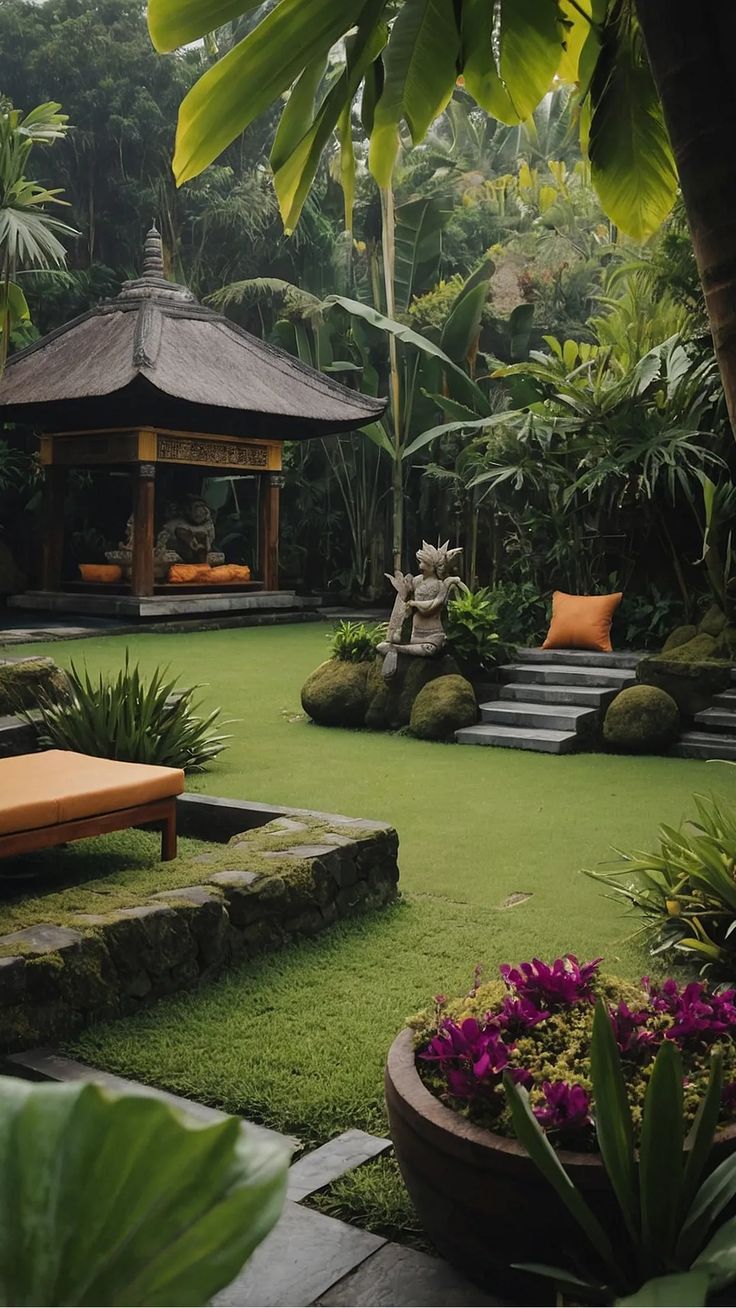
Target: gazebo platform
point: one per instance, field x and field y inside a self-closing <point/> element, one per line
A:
<point x="159" y="607"/>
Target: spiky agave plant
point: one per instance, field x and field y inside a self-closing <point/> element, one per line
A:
<point x="125" y="717"/>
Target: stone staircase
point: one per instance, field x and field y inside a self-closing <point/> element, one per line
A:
<point x="549" y="699"/>
<point x="714" y="735"/>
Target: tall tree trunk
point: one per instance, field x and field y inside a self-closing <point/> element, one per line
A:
<point x="691" y="52"/>
<point x="388" y="245"/>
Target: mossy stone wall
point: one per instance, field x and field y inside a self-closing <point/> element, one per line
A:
<point x="56" y="978"/>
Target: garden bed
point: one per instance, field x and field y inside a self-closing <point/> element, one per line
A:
<point x="104" y="946"/>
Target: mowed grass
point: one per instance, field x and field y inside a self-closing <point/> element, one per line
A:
<point x="298" y="1040"/>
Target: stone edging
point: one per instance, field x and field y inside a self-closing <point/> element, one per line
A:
<point x="55" y="979"/>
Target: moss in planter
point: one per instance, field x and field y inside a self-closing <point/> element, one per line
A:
<point x="558" y="1049"/>
<point x="642" y="720"/>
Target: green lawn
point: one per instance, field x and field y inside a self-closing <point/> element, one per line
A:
<point x="298" y="1040"/>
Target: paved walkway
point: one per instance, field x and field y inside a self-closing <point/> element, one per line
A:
<point x="309" y="1258"/>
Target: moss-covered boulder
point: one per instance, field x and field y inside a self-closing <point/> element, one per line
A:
<point x="336" y="693"/>
<point x="21" y="680"/>
<point x="696" y="650"/>
<point x="642" y="720"/>
<point x="442" y="707"/>
<point x="713" y="621"/>
<point x="726" y="645"/>
<point x="391" y="701"/>
<point x="680" y="636"/>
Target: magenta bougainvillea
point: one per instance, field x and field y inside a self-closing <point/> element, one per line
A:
<point x="537" y="1022"/>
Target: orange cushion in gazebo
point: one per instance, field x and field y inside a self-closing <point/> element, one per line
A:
<point x="41" y="790"/>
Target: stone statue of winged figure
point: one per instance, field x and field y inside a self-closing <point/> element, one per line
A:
<point x="425" y="598"/>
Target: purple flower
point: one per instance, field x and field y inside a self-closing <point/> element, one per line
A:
<point x="522" y="1076"/>
<point x="632" y="1038"/>
<point x="516" y="1016"/>
<point x="565" y="983"/>
<point x="567" y="1107"/>
<point x="471" y="1057"/>
<point x="696" y="1013"/>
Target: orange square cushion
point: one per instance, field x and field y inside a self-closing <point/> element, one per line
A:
<point x="582" y="621"/>
<point x="40" y="790"/>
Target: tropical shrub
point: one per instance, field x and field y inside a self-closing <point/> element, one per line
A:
<point x="355" y="642"/>
<point x="646" y="620"/>
<point x="686" y="889"/>
<point x="669" y="1210"/>
<point x="521" y="612"/>
<point x="123" y="716"/>
<point x="535" y="1027"/>
<point x="118" y="1199"/>
<point x="472" y="636"/>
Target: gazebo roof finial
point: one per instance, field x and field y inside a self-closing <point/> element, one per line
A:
<point x="153" y="253"/>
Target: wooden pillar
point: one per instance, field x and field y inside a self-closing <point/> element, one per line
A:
<point x="270" y="496"/>
<point x="52" y="546"/>
<point x="143" y="509"/>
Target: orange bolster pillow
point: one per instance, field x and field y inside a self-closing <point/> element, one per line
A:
<point x="582" y="621"/>
<point x="108" y="572"/>
<point x="189" y="572"/>
<point x="230" y="572"/>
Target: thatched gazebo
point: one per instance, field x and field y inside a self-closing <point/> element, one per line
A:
<point x="153" y="379"/>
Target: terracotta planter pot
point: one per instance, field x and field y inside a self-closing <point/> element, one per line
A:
<point x="480" y="1198"/>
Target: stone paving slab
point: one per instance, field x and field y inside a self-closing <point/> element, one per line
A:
<point x="300" y="1260"/>
<point x="331" y="1160"/>
<point x="43" y="1064"/>
<point x="404" y="1278"/>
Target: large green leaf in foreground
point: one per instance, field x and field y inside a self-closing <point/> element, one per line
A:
<point x="121" y="1200"/>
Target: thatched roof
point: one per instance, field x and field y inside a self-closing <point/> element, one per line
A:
<point x="155" y="356"/>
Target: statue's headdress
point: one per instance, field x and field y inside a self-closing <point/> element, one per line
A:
<point x="438" y="556"/>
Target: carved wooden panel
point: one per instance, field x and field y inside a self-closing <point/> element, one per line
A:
<point x="212" y="453"/>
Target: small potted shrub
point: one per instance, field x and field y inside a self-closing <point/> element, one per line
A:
<point x="547" y="1107"/>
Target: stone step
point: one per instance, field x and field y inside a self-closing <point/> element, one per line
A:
<point x="705" y="744"/>
<point x="545" y="741"/>
<point x="582" y="657"/>
<point x="559" y="674"/>
<point x="585" y="696"/>
<point x="717" y="719"/>
<point x="726" y="699"/>
<point x="517" y="713"/>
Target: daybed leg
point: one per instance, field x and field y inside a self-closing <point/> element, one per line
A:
<point x="168" y="835"/>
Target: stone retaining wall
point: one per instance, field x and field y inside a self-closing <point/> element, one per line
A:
<point x="57" y="977"/>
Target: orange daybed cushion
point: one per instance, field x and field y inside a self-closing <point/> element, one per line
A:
<point x="189" y="572"/>
<point x="107" y="572"/>
<point x="41" y="790"/>
<point x="582" y="621"/>
<point x="230" y="572"/>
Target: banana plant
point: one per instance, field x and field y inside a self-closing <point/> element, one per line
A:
<point x="407" y="58"/>
<point x="669" y="1199"/>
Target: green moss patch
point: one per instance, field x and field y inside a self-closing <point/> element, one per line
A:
<point x="122" y="871"/>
